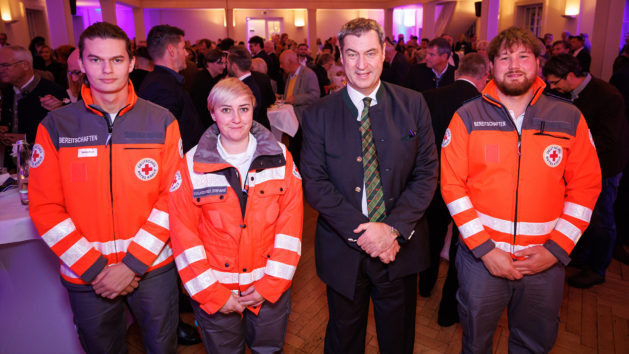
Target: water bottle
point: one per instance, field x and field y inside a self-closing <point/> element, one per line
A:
<point x="23" y="166"/>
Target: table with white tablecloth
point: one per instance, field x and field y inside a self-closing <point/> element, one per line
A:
<point x="283" y="120"/>
<point x="35" y="313"/>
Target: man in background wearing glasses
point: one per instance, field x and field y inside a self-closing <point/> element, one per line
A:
<point x="24" y="98"/>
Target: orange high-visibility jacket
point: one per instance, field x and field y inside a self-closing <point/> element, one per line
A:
<point x="99" y="191"/>
<point x="513" y="191"/>
<point x="222" y="246"/>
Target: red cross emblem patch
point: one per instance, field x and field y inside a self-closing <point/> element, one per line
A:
<point x="176" y="182"/>
<point x="447" y="137"/>
<point x="38" y="156"/>
<point x="146" y="169"/>
<point x="553" y="155"/>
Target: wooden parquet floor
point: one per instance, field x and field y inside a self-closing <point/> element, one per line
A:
<point x="592" y="321"/>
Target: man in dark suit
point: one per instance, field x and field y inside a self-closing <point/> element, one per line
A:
<point x="580" y="52"/>
<point x="203" y="82"/>
<point x="604" y="110"/>
<point x="24" y="98"/>
<point x="370" y="169"/>
<point x="398" y="66"/>
<point x="436" y="71"/>
<point x="256" y="47"/>
<point x="273" y="69"/>
<point x="239" y="66"/>
<point x="323" y="64"/>
<point x="471" y="77"/>
<point x="164" y="85"/>
<point x="620" y="79"/>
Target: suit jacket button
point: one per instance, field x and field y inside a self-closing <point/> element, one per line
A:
<point x="359" y="159"/>
<point x="357" y="189"/>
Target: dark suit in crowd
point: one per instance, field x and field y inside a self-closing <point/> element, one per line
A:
<point x="201" y="86"/>
<point x="604" y="110"/>
<point x="584" y="59"/>
<point x="29" y="109"/>
<point x="422" y="78"/>
<point x="333" y="175"/>
<point x="442" y="103"/>
<point x="164" y="87"/>
<point x="400" y="67"/>
<point x="259" y="114"/>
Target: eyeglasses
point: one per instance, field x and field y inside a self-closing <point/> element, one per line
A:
<point x="75" y="72"/>
<point x="7" y="65"/>
<point x="555" y="82"/>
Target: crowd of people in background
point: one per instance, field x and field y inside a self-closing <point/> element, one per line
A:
<point x="179" y="76"/>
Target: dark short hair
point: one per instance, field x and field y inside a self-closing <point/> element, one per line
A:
<point x="359" y="26"/>
<point x="226" y="44"/>
<point x="302" y="45"/>
<point x="142" y="52"/>
<point x="442" y="44"/>
<point x="104" y="30"/>
<point x="561" y="65"/>
<point x="324" y="58"/>
<point x="213" y="55"/>
<point x="206" y="42"/>
<point x="474" y="65"/>
<point x="241" y="57"/>
<point x="562" y="42"/>
<point x="257" y="40"/>
<point x="577" y="36"/>
<point x="160" y="37"/>
<point x="512" y="36"/>
<point x="426" y="40"/>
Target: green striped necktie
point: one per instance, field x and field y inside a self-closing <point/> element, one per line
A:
<point x="375" y="198"/>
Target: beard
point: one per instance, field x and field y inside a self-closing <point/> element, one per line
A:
<point x="515" y="88"/>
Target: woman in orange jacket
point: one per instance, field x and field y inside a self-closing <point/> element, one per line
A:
<point x="236" y="224"/>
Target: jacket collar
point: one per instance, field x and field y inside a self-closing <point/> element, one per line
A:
<point x="88" y="100"/>
<point x="352" y="107"/>
<point x="207" y="159"/>
<point x="490" y="92"/>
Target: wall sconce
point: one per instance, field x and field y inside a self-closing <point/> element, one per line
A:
<point x="300" y="17"/>
<point x="572" y="8"/>
<point x="11" y="10"/>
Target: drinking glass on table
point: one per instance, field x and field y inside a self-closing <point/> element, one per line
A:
<point x="23" y="167"/>
<point x="279" y="99"/>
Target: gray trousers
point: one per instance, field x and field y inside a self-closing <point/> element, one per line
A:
<point x="533" y="304"/>
<point x="227" y="333"/>
<point x="101" y="322"/>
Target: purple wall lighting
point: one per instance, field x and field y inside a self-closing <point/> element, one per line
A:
<point x="92" y="14"/>
<point x="407" y="20"/>
<point x="124" y="17"/>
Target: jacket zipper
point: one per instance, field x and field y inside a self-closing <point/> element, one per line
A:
<point x="517" y="183"/>
<point x="110" y="129"/>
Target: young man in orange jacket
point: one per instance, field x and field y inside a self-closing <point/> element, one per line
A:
<point x="520" y="177"/>
<point x="100" y="174"/>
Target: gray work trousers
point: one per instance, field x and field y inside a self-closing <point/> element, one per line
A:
<point x="533" y="304"/>
<point x="101" y="322"/>
<point x="227" y="333"/>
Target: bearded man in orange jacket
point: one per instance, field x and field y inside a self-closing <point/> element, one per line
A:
<point x="520" y="177"/>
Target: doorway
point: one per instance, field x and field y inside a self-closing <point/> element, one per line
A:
<point x="264" y="27"/>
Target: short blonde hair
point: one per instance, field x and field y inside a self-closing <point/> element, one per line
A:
<point x="228" y="90"/>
